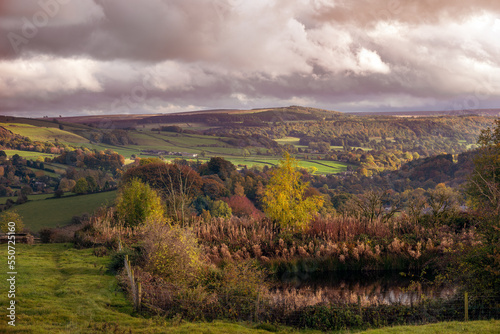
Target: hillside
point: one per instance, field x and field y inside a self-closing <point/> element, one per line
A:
<point x="224" y="117"/>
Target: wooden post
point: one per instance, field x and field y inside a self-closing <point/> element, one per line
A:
<point x="139" y="293"/>
<point x="466" y="302"/>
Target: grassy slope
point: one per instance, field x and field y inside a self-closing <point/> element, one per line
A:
<point x="64" y="290"/>
<point x="36" y="197"/>
<point x="29" y="154"/>
<point x="44" y="133"/>
<point x="323" y="167"/>
<point x="58" y="212"/>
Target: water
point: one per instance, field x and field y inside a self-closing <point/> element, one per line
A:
<point x="371" y="288"/>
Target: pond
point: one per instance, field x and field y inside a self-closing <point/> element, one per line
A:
<point x="370" y="288"/>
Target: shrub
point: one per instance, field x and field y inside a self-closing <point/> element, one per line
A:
<point x="172" y="253"/>
<point x="46" y="235"/>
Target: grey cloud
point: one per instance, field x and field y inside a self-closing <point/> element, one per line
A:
<point x="237" y="53"/>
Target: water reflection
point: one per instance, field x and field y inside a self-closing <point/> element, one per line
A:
<point x="370" y="289"/>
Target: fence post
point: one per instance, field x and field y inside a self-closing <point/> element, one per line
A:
<point x="139" y="293"/>
<point x="466" y="302"/>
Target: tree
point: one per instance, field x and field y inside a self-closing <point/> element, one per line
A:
<point x="11" y="216"/>
<point x="179" y="185"/>
<point x="443" y="202"/>
<point x="220" y="209"/>
<point x="284" y="198"/>
<point x="219" y="166"/>
<point x="81" y="187"/>
<point x="483" y="187"/>
<point x="373" y="205"/>
<point x="137" y="203"/>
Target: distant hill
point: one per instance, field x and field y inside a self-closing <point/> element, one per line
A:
<point x="215" y="117"/>
<point x="468" y="112"/>
<point x="253" y="117"/>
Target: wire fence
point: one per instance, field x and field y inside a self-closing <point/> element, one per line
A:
<point x="134" y="285"/>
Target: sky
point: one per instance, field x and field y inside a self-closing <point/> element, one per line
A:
<point x="90" y="57"/>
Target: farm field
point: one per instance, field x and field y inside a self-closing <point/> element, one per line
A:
<point x="44" y="133"/>
<point x="36" y="197"/>
<point x="49" y="213"/>
<point x="31" y="155"/>
<point x="322" y="167"/>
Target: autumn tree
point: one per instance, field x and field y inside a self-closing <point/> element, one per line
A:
<point x="443" y="202"/>
<point x="374" y="205"/>
<point x="220" y="209"/>
<point x="284" y="198"/>
<point x="483" y="188"/>
<point x="137" y="203"/>
<point x="179" y="185"/>
<point x="10" y="216"/>
<point x="81" y="186"/>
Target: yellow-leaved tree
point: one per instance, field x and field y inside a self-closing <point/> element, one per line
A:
<point x="137" y="203"/>
<point x="284" y="199"/>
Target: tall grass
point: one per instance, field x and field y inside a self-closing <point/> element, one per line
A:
<point x="333" y="243"/>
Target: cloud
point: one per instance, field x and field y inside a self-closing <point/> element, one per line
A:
<point x="120" y="56"/>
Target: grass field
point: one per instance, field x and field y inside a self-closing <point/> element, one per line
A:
<point x="63" y="290"/>
<point x="58" y="212"/>
<point x="322" y="167"/>
<point x="36" y="197"/>
<point x="44" y="133"/>
<point x="28" y="154"/>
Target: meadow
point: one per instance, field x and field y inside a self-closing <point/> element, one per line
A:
<point x="48" y="213"/>
<point x="44" y="133"/>
<point x="32" y="155"/>
<point x="36" y="197"/>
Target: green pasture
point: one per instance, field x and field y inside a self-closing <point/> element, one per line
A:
<point x="40" y="133"/>
<point x="47" y="213"/>
<point x="36" y="197"/>
<point x="30" y="155"/>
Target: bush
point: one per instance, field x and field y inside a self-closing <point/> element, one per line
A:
<point x="46" y="235"/>
<point x="172" y="253"/>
